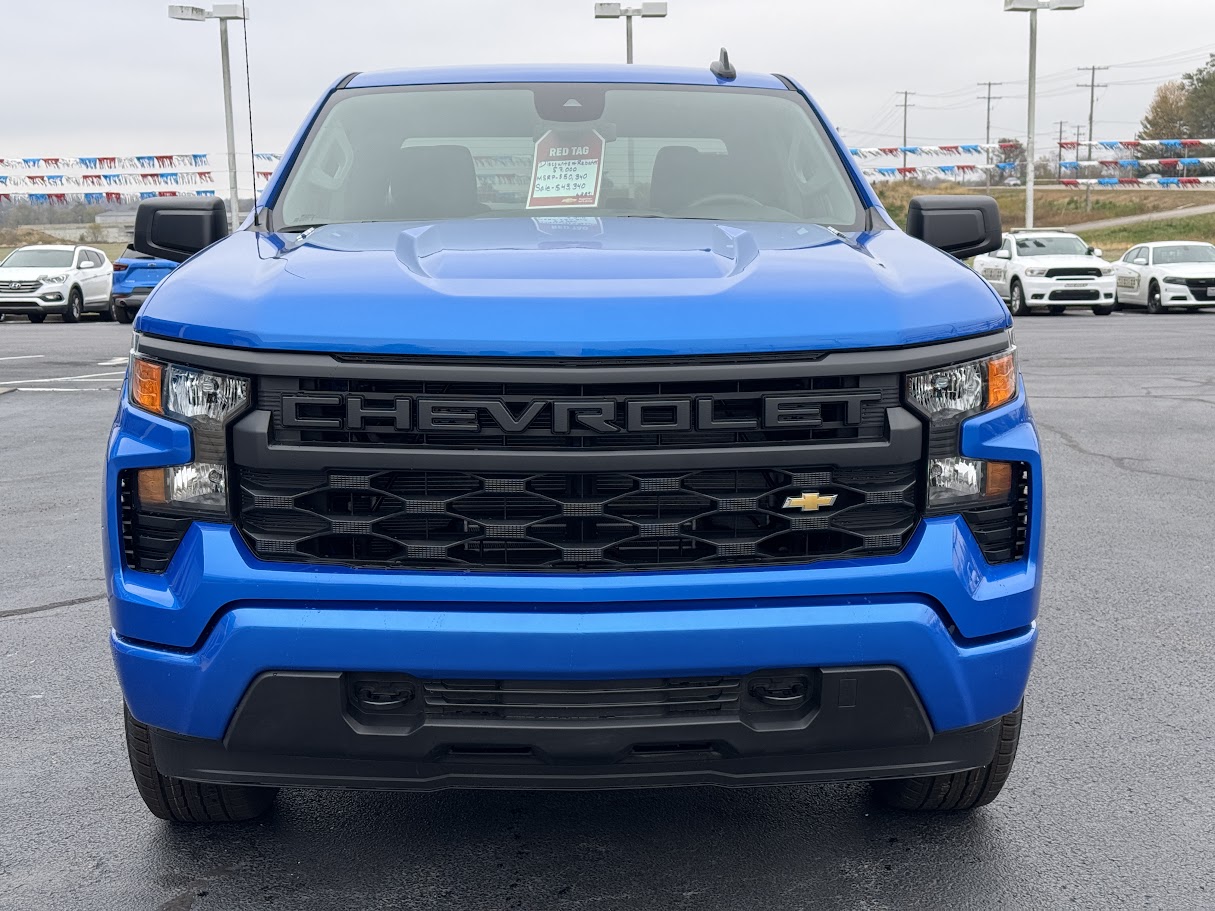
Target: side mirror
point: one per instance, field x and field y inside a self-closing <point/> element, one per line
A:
<point x="175" y="228"/>
<point x="1141" y="261"/>
<point x="962" y="226"/>
<point x="1003" y="254"/>
<point x="1097" y="252"/>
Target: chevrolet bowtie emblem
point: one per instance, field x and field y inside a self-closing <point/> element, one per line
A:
<point x="810" y="502"/>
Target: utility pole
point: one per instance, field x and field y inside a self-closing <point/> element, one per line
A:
<point x="1092" y="108"/>
<point x="989" y="98"/>
<point x="1059" y="175"/>
<point x="905" y="105"/>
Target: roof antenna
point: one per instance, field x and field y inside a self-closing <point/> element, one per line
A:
<point x="722" y="68"/>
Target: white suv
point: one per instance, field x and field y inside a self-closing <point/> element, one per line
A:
<point x="1051" y="269"/>
<point x="56" y="278"/>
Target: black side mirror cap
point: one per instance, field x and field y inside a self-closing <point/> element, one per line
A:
<point x="177" y="227"/>
<point x="962" y="226"/>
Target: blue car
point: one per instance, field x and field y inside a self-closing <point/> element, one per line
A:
<point x="571" y="427"/>
<point x="135" y="275"/>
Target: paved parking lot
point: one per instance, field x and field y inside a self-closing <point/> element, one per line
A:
<point x="1110" y="805"/>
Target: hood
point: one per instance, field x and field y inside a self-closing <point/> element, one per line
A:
<point x="571" y="287"/>
<point x="1188" y="270"/>
<point x="29" y="273"/>
<point x="1070" y="262"/>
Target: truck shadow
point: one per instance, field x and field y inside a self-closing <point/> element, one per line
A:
<point x="798" y="847"/>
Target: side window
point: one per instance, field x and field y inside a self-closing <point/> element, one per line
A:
<point x="1009" y="246"/>
<point x="1131" y="255"/>
<point x="82" y="259"/>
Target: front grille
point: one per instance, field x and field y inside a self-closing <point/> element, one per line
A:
<point x="1077" y="272"/>
<point x="592" y="521"/>
<point x="1075" y="295"/>
<point x="19" y="287"/>
<point x="376" y="413"/>
<point x="553" y="700"/>
<point x="1001" y="529"/>
<point x="1200" y="284"/>
<point x="149" y="540"/>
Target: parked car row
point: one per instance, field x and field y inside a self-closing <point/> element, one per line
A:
<point x="70" y="280"/>
<point x="1058" y="270"/>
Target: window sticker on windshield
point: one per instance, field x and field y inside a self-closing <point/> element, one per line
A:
<point x="568" y="170"/>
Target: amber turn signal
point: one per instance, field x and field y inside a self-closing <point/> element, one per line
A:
<point x="1001" y="379"/>
<point x="146" y="385"/>
<point x="998" y="480"/>
<point x="151" y="485"/>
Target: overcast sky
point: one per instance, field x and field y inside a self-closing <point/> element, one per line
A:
<point x="97" y="77"/>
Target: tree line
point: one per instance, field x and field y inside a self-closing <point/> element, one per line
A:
<point x="1183" y="108"/>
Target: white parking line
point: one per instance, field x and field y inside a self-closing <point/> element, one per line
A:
<point x="84" y="377"/>
<point x="113" y="362"/>
<point x="23" y="357"/>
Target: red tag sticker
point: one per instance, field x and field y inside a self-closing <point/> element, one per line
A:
<point x="568" y="170"/>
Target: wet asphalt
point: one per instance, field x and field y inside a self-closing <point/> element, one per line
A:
<point x="1110" y="804"/>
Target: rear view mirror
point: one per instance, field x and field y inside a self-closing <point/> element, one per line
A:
<point x="175" y="228"/>
<point x="1140" y="261"/>
<point x="1097" y="252"/>
<point x="962" y="226"/>
<point x="1003" y="254"/>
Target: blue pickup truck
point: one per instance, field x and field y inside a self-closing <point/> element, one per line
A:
<point x="571" y="427"/>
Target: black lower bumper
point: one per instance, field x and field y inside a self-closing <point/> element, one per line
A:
<point x="318" y="730"/>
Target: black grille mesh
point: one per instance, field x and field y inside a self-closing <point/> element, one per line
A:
<point x="575" y="521"/>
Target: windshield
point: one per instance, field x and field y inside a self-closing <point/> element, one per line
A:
<point x="1188" y="253"/>
<point x="1051" y="246"/>
<point x="435" y="152"/>
<point x="39" y="259"/>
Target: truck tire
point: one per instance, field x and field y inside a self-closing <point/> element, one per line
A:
<point x="1016" y="299"/>
<point x="177" y="800"/>
<point x="958" y="790"/>
<point x="75" y="307"/>
<point x="1104" y="311"/>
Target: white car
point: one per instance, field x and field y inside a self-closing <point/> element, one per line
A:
<point x="67" y="279"/>
<point x="1164" y="275"/>
<point x="1051" y="269"/>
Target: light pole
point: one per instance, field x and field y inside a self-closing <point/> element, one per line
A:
<point x="618" y="10"/>
<point x="1032" y="7"/>
<point x="223" y="12"/>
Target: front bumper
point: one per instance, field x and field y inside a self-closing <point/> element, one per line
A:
<point x="27" y="304"/>
<point x="1070" y="292"/>
<point x="189" y="644"/>
<point x="1183" y="294"/>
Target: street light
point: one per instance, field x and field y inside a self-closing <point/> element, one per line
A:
<point x="617" y="10"/>
<point x="223" y="12"/>
<point x="1032" y="7"/>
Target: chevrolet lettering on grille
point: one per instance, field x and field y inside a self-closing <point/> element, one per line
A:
<point x="321" y="411"/>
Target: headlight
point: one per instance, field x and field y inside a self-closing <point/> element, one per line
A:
<point x="956" y="482"/>
<point x="1035" y="271"/>
<point x="52" y="279"/>
<point x="1107" y="270"/>
<point x="1173" y="280"/>
<point x="952" y="393"/>
<point x="207" y="402"/>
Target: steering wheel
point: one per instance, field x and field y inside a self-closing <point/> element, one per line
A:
<point x="725" y="197"/>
